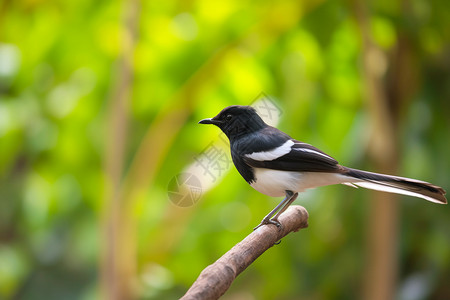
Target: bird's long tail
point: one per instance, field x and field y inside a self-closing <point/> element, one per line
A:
<point x="395" y="184"/>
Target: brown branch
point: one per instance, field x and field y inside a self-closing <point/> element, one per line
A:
<point x="384" y="107"/>
<point x="118" y="263"/>
<point x="215" y="279"/>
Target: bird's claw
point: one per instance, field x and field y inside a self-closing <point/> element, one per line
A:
<point x="269" y="221"/>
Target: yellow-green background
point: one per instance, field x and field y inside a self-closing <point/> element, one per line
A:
<point x="99" y="103"/>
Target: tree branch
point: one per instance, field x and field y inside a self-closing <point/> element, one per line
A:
<point x="215" y="279"/>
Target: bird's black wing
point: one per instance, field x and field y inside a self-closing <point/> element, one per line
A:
<point x="301" y="157"/>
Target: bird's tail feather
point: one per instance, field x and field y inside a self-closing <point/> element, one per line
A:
<point x="398" y="185"/>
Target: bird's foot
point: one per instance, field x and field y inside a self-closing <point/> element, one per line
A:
<point x="269" y="221"/>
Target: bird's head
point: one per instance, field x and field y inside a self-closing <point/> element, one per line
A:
<point x="236" y="120"/>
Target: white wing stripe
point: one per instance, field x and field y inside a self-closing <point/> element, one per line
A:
<point x="272" y="154"/>
<point x="312" y="151"/>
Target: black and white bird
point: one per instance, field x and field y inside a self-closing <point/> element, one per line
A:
<point x="277" y="165"/>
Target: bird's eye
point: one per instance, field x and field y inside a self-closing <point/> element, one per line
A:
<point x="228" y="117"/>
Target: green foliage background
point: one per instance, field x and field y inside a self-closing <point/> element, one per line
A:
<point x="61" y="67"/>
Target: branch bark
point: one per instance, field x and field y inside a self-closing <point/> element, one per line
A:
<point x="215" y="279"/>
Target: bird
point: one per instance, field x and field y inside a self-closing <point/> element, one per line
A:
<point x="275" y="164"/>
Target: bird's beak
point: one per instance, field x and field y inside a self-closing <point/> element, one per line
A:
<point x="209" y="121"/>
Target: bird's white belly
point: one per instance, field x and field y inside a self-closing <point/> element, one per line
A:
<point x="274" y="183"/>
